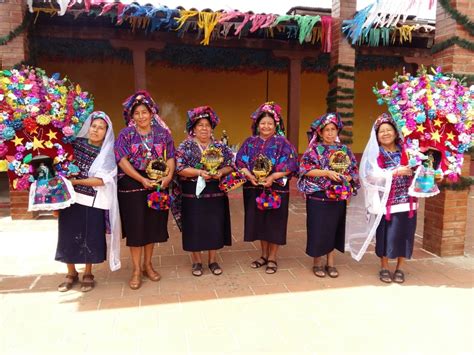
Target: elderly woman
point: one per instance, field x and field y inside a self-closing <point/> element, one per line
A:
<point x="268" y="140"/>
<point x="386" y="179"/>
<point x="82" y="226"/>
<point x="205" y="208"/>
<point x="328" y="177"/>
<point x="145" y="139"/>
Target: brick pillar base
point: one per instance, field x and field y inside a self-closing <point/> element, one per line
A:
<point x="445" y="223"/>
<point x="19" y="205"/>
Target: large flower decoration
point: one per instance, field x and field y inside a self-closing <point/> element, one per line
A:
<point x="39" y="115"/>
<point x="432" y="111"/>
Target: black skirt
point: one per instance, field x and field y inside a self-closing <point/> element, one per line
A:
<point x="268" y="225"/>
<point x="325" y="223"/>
<point x="81" y="235"/>
<point x="395" y="238"/>
<point x="141" y="225"/>
<point x="206" y="220"/>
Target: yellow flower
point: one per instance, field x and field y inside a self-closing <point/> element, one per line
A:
<point x="3" y="165"/>
<point x="74" y="119"/>
<point x="43" y="120"/>
<point x="48" y="144"/>
<point x="62" y="90"/>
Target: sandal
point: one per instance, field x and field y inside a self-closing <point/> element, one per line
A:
<point x="215" y="268"/>
<point x="87" y="283"/>
<point x="151" y="274"/>
<point x="196" y="269"/>
<point x="71" y="280"/>
<point x="135" y="282"/>
<point x="258" y="263"/>
<point x="384" y="276"/>
<point x="332" y="271"/>
<point x="319" y="271"/>
<point x="272" y="267"/>
<point x="398" y="276"/>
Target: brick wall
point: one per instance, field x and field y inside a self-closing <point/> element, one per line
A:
<point x="15" y="51"/>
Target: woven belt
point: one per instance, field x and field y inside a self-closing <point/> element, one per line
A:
<point x="217" y="194"/>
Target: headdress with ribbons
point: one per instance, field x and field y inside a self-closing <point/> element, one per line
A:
<point x="144" y="98"/>
<point x="274" y="110"/>
<point x="197" y="113"/>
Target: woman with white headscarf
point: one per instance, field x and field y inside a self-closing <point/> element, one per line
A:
<point x="82" y="227"/>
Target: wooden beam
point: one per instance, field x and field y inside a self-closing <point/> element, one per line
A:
<point x="294" y="98"/>
<point x="395" y="51"/>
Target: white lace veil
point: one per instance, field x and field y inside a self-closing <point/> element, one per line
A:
<point x="365" y="210"/>
<point x="105" y="167"/>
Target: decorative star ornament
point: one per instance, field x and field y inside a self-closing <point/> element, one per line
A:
<point x="52" y="135"/>
<point x="420" y="128"/>
<point x="437" y="122"/>
<point x="37" y="143"/>
<point x="436" y="136"/>
<point x="450" y="136"/>
<point x="18" y="141"/>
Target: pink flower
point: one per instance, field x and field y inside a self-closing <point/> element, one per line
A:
<point x="68" y="131"/>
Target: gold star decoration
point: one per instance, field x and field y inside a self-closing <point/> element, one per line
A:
<point x="18" y="141"/>
<point x="437" y="122"/>
<point x="420" y="128"/>
<point x="435" y="136"/>
<point x="450" y="136"/>
<point x="37" y="143"/>
<point x="51" y="135"/>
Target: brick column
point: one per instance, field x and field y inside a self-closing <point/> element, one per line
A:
<point x="14" y="52"/>
<point x="446" y="214"/>
<point x="342" y="56"/>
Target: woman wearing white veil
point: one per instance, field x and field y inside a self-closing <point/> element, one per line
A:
<point x="83" y="236"/>
<point x="383" y="207"/>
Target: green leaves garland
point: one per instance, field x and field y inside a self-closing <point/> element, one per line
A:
<point x="16" y="31"/>
<point x="463" y="183"/>
<point x="460" y="18"/>
<point x="461" y="42"/>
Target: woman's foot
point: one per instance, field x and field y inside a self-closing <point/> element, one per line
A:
<point x="384" y="276"/>
<point x="71" y="280"/>
<point x="87" y="283"/>
<point x="215" y="268"/>
<point x="398" y="276"/>
<point x="197" y="269"/>
<point x="272" y="267"/>
<point x="318" y="271"/>
<point x="332" y="271"/>
<point x="135" y="281"/>
<point x="259" y="263"/>
<point x="149" y="272"/>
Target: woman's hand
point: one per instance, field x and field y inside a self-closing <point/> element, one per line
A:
<point x="403" y="170"/>
<point x="147" y="183"/>
<point x="218" y="175"/>
<point x="166" y="181"/>
<point x="333" y="175"/>
<point x="205" y="175"/>
<point x="250" y="177"/>
<point x="268" y="182"/>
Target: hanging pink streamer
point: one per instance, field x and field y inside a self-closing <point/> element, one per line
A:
<point x="326" y="33"/>
<point x="257" y="21"/>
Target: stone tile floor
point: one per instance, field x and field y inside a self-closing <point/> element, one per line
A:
<point x="241" y="311"/>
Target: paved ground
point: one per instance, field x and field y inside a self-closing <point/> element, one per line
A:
<point x="241" y="311"/>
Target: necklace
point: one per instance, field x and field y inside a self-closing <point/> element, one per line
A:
<point x="147" y="139"/>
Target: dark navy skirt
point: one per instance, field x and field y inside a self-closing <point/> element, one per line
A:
<point x="267" y="225"/>
<point x="395" y="238"/>
<point x="141" y="225"/>
<point x="206" y="220"/>
<point x="325" y="224"/>
<point x="81" y="235"/>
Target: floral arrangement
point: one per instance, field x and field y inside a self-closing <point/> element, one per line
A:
<point x="268" y="201"/>
<point x="39" y="115"/>
<point x="158" y="200"/>
<point x="340" y="191"/>
<point x="433" y="112"/>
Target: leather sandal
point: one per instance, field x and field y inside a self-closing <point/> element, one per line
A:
<point x="259" y="263"/>
<point x="332" y="271"/>
<point x="272" y="267"/>
<point x="71" y="280"/>
<point x="215" y="268"/>
<point x="398" y="276"/>
<point x="135" y="282"/>
<point x="87" y="283"/>
<point x="318" y="271"/>
<point x="151" y="274"/>
<point x="196" y="269"/>
<point x="384" y="276"/>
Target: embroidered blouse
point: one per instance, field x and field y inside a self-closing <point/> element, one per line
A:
<point x="188" y="155"/>
<point x="319" y="156"/>
<point x="400" y="183"/>
<point x="84" y="154"/>
<point x="278" y="149"/>
<point x="140" y="150"/>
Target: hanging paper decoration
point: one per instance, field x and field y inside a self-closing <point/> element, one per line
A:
<point x="435" y="114"/>
<point x="39" y="117"/>
<point x="379" y="14"/>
